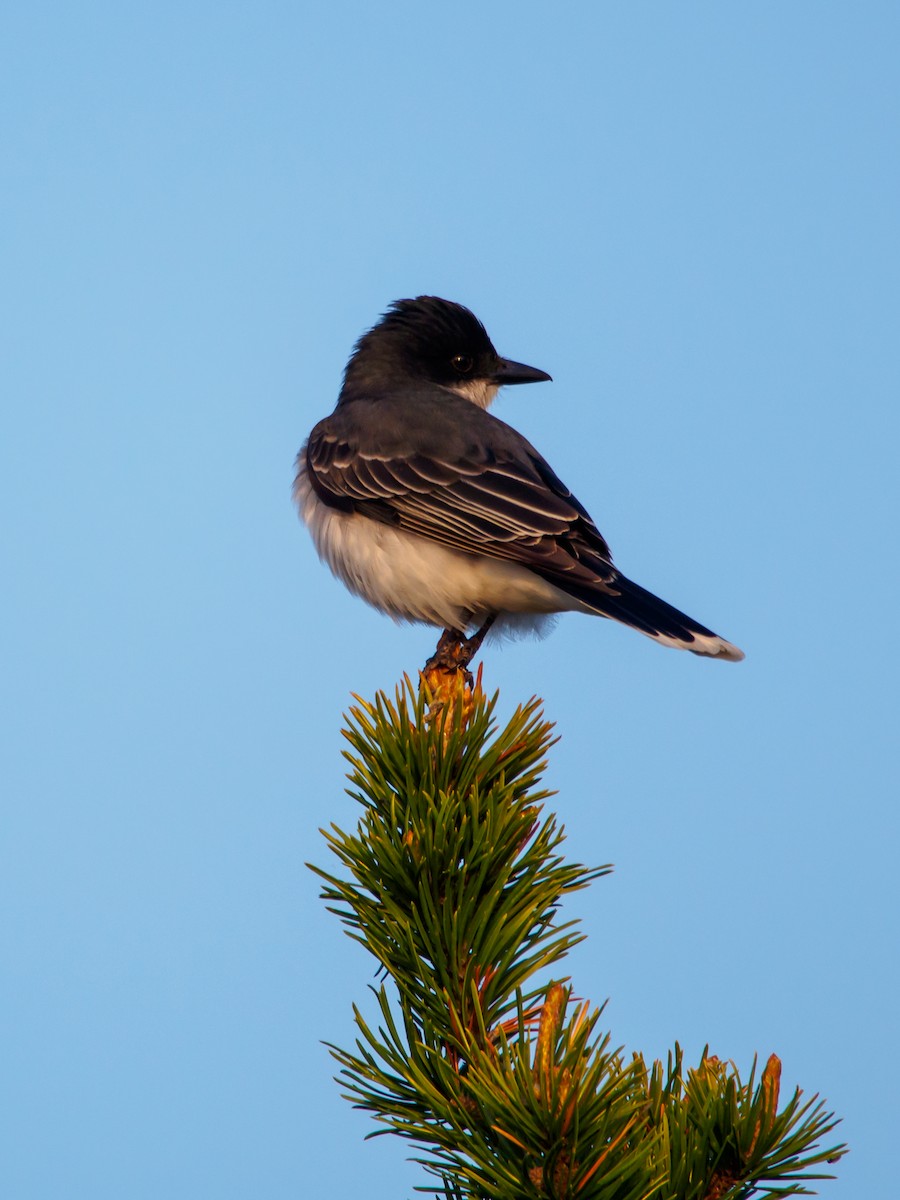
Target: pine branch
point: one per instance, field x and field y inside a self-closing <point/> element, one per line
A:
<point x="453" y="880"/>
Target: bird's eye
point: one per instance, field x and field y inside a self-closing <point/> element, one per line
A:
<point x="461" y="363"/>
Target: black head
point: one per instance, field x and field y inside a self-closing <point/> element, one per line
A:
<point x="433" y="340"/>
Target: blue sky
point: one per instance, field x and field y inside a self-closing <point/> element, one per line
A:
<point x="688" y="215"/>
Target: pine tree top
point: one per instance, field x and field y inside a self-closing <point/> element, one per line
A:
<point x="454" y="880"/>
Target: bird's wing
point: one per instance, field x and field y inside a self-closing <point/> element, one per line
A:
<point x="497" y="498"/>
<point x="505" y="504"/>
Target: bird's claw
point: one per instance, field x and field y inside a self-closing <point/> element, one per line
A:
<point x="452" y="655"/>
<point x="455" y="651"/>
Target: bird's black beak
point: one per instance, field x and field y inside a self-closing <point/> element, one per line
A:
<point x="508" y="371"/>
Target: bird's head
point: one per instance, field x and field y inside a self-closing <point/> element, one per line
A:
<point x="430" y="340"/>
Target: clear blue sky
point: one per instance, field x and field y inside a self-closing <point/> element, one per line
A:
<point x="688" y="214"/>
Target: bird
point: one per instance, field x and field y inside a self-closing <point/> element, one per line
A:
<point x="433" y="510"/>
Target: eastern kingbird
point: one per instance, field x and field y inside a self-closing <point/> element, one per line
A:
<point x="433" y="510"/>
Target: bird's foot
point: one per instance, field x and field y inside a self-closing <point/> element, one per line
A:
<point x="450" y="654"/>
<point x="448" y="680"/>
<point x="447" y="675"/>
<point x="455" y="651"/>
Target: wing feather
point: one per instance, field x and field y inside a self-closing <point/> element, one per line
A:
<point x="509" y="507"/>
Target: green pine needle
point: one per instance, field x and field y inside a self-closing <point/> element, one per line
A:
<point x="453" y="880"/>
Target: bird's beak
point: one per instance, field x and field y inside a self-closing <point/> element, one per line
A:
<point x="515" y="372"/>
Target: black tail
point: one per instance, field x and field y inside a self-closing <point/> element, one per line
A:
<point x="622" y="600"/>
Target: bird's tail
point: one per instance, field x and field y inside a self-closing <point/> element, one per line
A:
<point x="635" y="606"/>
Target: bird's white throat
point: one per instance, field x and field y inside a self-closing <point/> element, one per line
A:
<point x="479" y="391"/>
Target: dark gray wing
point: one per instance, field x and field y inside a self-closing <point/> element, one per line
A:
<point x="500" y="501"/>
<point x="475" y="485"/>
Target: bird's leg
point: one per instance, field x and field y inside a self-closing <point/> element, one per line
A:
<point x="448" y="655"/>
<point x="455" y="651"/>
<point x="446" y="675"/>
<point x="473" y="644"/>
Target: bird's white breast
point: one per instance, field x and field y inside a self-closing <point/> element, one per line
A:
<point x="414" y="579"/>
